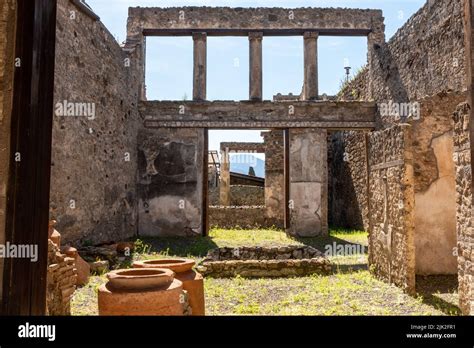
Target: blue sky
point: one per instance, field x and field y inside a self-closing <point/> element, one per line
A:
<point x="169" y="60"/>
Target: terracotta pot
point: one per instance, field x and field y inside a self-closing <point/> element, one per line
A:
<point x="140" y="279"/>
<point x="192" y="281"/>
<point x="161" y="301"/>
<point x="176" y="265"/>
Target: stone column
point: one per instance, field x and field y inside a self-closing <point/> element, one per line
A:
<point x="308" y="183"/>
<point x="255" y="67"/>
<point x="224" y="180"/>
<point x="310" y="89"/>
<point x="274" y="177"/>
<point x="200" y="66"/>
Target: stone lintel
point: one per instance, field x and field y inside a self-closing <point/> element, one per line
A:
<point x="232" y="21"/>
<point x="266" y="114"/>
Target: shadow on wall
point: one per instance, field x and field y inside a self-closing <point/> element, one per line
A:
<point x="344" y="208"/>
<point x="391" y="76"/>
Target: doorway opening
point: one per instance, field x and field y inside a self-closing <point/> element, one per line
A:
<point x="246" y="181"/>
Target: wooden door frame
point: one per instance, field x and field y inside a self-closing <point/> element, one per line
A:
<point x="27" y="210"/>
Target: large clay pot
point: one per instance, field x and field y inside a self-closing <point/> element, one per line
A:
<point x="135" y="292"/>
<point x="192" y="281"/>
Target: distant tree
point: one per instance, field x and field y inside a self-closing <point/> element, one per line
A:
<point x="251" y="171"/>
<point x="185" y="97"/>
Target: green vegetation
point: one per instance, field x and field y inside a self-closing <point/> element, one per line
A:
<point x="351" y="290"/>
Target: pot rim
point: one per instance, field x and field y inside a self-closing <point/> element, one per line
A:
<point x="167" y="263"/>
<point x="153" y="273"/>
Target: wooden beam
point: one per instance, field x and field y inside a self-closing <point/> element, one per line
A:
<point x="27" y="212"/>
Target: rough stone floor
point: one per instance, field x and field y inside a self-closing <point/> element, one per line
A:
<point x="351" y="290"/>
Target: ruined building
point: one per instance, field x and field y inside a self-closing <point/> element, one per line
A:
<point x="140" y="167"/>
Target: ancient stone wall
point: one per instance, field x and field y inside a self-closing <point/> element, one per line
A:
<point x="170" y="176"/>
<point x="465" y="242"/>
<point x="422" y="63"/>
<point x="239" y="217"/>
<point x="7" y="37"/>
<point x="391" y="206"/>
<point x="274" y="176"/>
<point x="94" y="161"/>
<point x="240" y="195"/>
<point x="61" y="282"/>
<point x="284" y="261"/>
<point x="425" y="57"/>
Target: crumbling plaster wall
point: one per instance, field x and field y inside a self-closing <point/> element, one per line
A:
<point x="170" y="176"/>
<point x="7" y="53"/>
<point x="308" y="182"/>
<point x="94" y="161"/>
<point x="423" y="62"/>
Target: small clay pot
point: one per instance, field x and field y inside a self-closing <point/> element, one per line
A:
<point x="140" y="279"/>
<point x="176" y="265"/>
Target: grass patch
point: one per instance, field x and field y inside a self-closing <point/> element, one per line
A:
<point x="351" y="290"/>
<point x="198" y="247"/>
